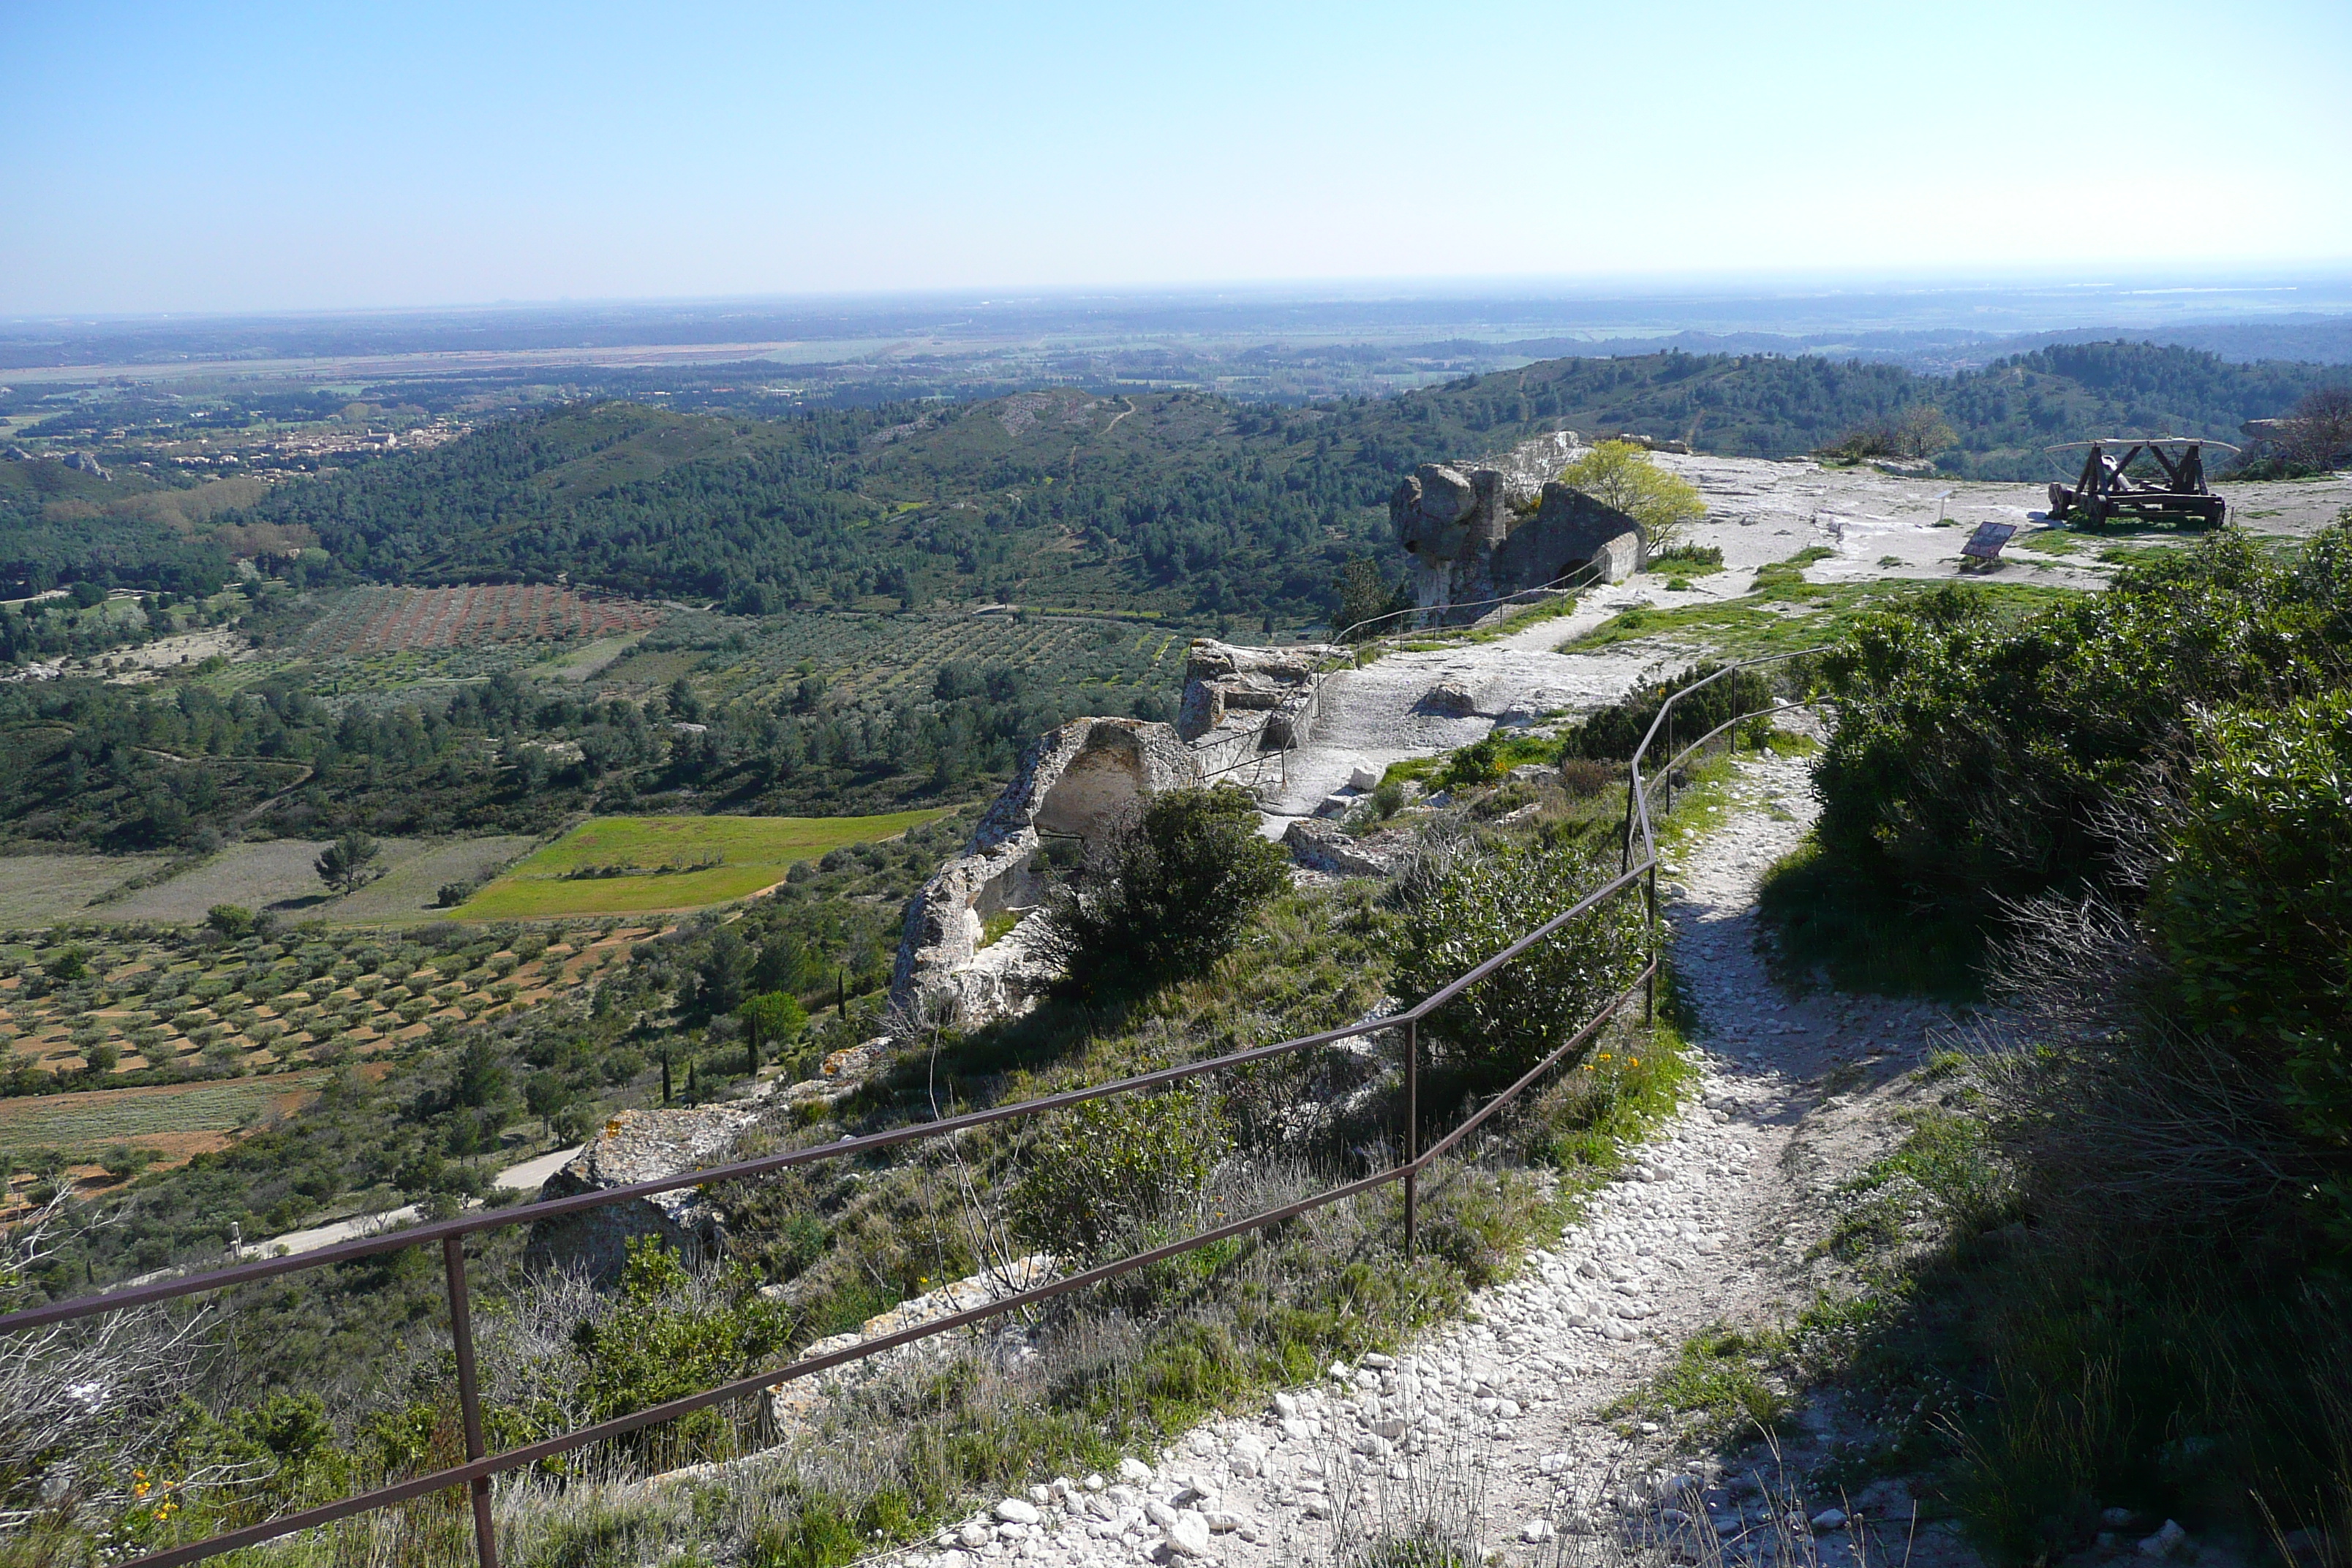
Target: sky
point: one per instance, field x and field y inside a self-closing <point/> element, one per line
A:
<point x="200" y="158"/>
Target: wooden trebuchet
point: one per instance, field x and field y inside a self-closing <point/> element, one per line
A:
<point x="2106" y="489"/>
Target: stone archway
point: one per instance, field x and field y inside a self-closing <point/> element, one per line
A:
<point x="1107" y="776"/>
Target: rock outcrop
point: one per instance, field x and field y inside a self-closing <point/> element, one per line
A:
<point x="1075" y="783"/>
<point x="1321" y="846"/>
<point x="638" y="1146"/>
<point x="789" y="1408"/>
<point x="1483" y="534"/>
<point x="1242" y="702"/>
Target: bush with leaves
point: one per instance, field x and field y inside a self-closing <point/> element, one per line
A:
<point x="1486" y="899"/>
<point x="1623" y="475"/>
<point x="1613" y="734"/>
<point x="669" y="1333"/>
<point x="1163" y="895"/>
<point x="1111" y="1171"/>
<point x="1973" y="755"/>
<point x="2251" y="906"/>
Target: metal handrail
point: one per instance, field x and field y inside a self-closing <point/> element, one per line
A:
<point x="475" y="1473"/>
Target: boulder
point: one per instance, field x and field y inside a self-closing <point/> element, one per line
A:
<point x="1479" y="534"/>
<point x="1452" y="697"/>
<point x="637" y="1146"/>
<point x="1188" y="1535"/>
<point x="1572" y="537"/>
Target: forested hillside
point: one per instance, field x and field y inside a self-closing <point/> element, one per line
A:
<point x="1175" y="502"/>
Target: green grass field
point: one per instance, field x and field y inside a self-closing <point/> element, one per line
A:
<point x="750" y="852"/>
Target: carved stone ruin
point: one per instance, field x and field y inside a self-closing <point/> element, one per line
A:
<point x="1244" y="703"/>
<point x="1075" y="783"/>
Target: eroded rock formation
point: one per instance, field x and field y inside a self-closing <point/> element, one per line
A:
<point x="1485" y="533"/>
<point x="638" y="1146"/>
<point x="1073" y="783"/>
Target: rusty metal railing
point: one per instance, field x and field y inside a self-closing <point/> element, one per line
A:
<point x="473" y="1475"/>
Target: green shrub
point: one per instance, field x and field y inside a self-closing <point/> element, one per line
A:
<point x="668" y="1335"/>
<point x="1613" y="734"/>
<point x="1110" y="1170"/>
<point x="1165" y="893"/>
<point x="1974" y="757"/>
<point x="1693" y="560"/>
<point x="2252" y="904"/>
<point x="1480" y="762"/>
<point x="1503" y="1025"/>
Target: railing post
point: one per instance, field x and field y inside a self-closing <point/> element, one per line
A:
<point x="1412" y="1129"/>
<point x="469" y="1399"/>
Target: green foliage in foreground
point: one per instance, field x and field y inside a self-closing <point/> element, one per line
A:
<point x="1113" y="1170"/>
<point x="2046" y="1373"/>
<point x="1972" y="754"/>
<point x="2252" y="904"/>
<point x="2137" y="1214"/>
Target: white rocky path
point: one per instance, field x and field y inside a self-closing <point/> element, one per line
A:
<point x="1382" y="713"/>
<point x="1710" y="1226"/>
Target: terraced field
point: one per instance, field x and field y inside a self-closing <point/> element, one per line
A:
<point x="165" y="1005"/>
<point x="898" y="658"/>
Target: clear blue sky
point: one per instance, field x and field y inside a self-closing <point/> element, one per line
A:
<point x="196" y="157"/>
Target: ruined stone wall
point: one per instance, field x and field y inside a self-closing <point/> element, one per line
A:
<point x="1240" y="702"/>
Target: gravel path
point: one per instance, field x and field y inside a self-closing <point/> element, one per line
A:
<point x="1712" y="1225"/>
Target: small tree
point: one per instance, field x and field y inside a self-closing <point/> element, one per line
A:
<point x="1923" y="430"/>
<point x="349" y="861"/>
<point x="230" y="919"/>
<point x="1164" y="893"/>
<point x="1365" y="596"/>
<point x="774" y="1016"/>
<point x="2319" y="432"/>
<point x="1503" y="1025"/>
<point x="1622" y="475"/>
<point x="546" y="1096"/>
